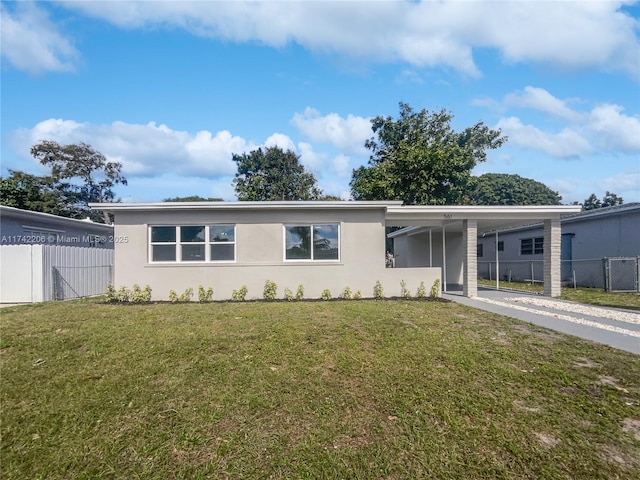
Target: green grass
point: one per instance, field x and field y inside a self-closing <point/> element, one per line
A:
<point x="593" y="296"/>
<point x="360" y="389"/>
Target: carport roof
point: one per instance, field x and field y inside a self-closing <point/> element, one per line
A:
<point x="489" y="218"/>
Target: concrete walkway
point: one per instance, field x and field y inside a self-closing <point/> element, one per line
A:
<point x="618" y="328"/>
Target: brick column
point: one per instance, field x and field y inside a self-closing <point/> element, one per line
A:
<point x="552" y="240"/>
<point x="470" y="261"/>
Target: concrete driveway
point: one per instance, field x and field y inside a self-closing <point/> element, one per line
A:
<point x="616" y="327"/>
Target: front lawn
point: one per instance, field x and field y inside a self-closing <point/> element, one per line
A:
<point x="352" y="389"/>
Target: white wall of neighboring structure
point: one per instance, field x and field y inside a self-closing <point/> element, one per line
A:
<point x="21" y="274"/>
<point x="259" y="253"/>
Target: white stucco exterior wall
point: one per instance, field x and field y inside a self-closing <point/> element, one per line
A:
<point x="259" y="255"/>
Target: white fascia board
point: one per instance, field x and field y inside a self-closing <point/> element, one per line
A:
<point x="280" y="205"/>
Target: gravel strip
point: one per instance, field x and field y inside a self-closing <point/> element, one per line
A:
<point x="567" y="318"/>
<point x="627" y="317"/>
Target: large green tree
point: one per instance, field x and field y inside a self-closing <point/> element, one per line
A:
<point x="609" y="200"/>
<point x="40" y="194"/>
<point x="420" y="159"/>
<point x="273" y="174"/>
<point x="506" y="189"/>
<point x="94" y="175"/>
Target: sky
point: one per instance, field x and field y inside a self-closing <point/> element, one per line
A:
<point x="173" y="89"/>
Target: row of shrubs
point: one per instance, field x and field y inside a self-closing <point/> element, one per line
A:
<point x="139" y="295"/>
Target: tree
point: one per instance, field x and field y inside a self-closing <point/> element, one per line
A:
<point x="192" y="198"/>
<point x="80" y="162"/>
<point x="419" y="158"/>
<point x="40" y="194"/>
<point x="609" y="200"/>
<point x="505" y="189"/>
<point x="273" y="174"/>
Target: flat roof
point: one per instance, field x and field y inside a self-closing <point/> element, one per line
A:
<point x="396" y="214"/>
<point x="18" y="213"/>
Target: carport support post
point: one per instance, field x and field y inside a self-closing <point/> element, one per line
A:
<point x="470" y="264"/>
<point x="552" y="241"/>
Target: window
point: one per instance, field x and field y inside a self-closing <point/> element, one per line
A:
<point x="532" y="246"/>
<point x="500" y="246"/>
<point x="480" y="249"/>
<point x="192" y="243"/>
<point x="312" y="242"/>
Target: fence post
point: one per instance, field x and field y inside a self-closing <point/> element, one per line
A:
<point x="638" y="273"/>
<point x="605" y="266"/>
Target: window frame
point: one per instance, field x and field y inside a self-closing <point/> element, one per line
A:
<point x="535" y="246"/>
<point x="311" y="226"/>
<point x="178" y="244"/>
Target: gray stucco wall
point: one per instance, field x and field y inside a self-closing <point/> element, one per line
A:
<point x="260" y="254"/>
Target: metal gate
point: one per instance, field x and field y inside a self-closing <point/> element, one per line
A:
<point x="622" y="274"/>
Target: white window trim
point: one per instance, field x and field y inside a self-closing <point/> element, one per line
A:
<point x="310" y="260"/>
<point x="533" y="246"/>
<point x="178" y="244"/>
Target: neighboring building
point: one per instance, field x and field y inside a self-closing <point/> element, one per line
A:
<point x="320" y="245"/>
<point x="587" y="238"/>
<point x="24" y="227"/>
<point x="46" y="257"/>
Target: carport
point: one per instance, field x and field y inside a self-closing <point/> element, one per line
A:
<point x="447" y="236"/>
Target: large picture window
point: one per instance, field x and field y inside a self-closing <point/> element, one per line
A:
<point x="312" y="242"/>
<point x="192" y="243"/>
<point x="532" y="246"/>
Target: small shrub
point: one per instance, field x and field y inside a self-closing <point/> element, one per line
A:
<point x="186" y="295"/>
<point x="123" y="295"/>
<point x="270" y="290"/>
<point x="435" y="289"/>
<point x="111" y="295"/>
<point x="300" y="292"/>
<point x="173" y="296"/>
<point x="357" y="295"/>
<point x="422" y="291"/>
<point x="288" y="294"/>
<point x="205" y="295"/>
<point x="326" y="294"/>
<point x="346" y="294"/>
<point x="240" y="295"/>
<point x="378" y="291"/>
<point x="138" y="295"/>
<point x="404" y="291"/>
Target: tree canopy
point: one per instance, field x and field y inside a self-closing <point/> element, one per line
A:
<point x="420" y="159"/>
<point x="40" y="194"/>
<point x="192" y="198"/>
<point x="506" y="189"/>
<point x="609" y="200"/>
<point x="79" y="162"/>
<point x="273" y="174"/>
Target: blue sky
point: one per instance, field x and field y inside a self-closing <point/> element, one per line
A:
<point x="173" y="89"/>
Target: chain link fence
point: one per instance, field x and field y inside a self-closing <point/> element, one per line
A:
<point x="612" y="274"/>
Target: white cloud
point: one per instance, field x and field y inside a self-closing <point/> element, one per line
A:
<point x="593" y="35"/>
<point x="346" y="134"/>
<point x="30" y="42"/>
<point x="144" y="150"/>
<point x="280" y="140"/>
<point x="542" y="100"/>
<point x="603" y="128"/>
<point x="342" y="166"/>
<point x="565" y="144"/>
<point x="628" y="181"/>
<point x="613" y="130"/>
